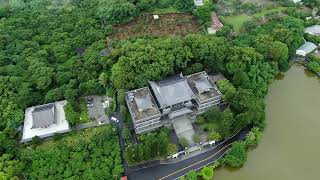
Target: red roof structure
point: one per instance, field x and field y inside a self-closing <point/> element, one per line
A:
<point x="216" y="23"/>
<point x="124" y="178"/>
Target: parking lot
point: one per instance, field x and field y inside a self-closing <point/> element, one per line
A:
<point x="95" y="108"/>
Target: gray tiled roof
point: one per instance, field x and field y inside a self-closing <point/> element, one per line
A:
<point x="203" y="87"/>
<point x="198" y="2"/>
<point x="315" y="29"/>
<point x="308" y="47"/>
<point x="171" y="90"/>
<point x="43" y="116"/>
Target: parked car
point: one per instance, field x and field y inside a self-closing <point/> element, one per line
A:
<point x="175" y="155"/>
<point x="90" y="101"/>
<point x="212" y="142"/>
<point x="100" y="123"/>
<point x="105" y="104"/>
<point x="114" y="119"/>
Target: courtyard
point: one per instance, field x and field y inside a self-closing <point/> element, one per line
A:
<point x="97" y="106"/>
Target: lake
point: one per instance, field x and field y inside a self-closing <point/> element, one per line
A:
<point x="290" y="147"/>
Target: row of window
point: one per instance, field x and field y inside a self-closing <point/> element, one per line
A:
<point x="147" y="123"/>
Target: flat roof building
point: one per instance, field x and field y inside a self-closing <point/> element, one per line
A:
<point x="306" y="48"/>
<point x="143" y="110"/>
<point x="44" y="121"/>
<point x="206" y="91"/>
<point x="296" y="1"/>
<point x="198" y="2"/>
<point x="313" y="30"/>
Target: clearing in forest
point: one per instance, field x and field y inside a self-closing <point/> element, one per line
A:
<point x="175" y="24"/>
<point x="238" y="20"/>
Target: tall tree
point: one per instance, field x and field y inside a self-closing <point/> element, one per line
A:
<point x="207" y="173"/>
<point x="116" y="11"/>
<point x="236" y="155"/>
<point x="104" y="79"/>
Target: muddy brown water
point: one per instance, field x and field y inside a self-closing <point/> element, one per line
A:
<point x="290" y="147"/>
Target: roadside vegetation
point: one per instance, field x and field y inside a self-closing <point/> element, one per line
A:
<point x="152" y="146"/>
<point x="235" y="157"/>
<point x="313" y="63"/>
<point x="94" y="155"/>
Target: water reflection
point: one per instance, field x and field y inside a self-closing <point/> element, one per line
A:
<point x="289" y="148"/>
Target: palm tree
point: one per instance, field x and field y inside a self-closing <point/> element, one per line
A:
<point x="103" y="79"/>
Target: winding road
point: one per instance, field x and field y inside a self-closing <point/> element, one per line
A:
<point x="166" y="171"/>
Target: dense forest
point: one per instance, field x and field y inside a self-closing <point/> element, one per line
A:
<point x="95" y="157"/>
<point x="53" y="50"/>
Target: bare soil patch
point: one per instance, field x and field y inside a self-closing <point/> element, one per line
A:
<point x="175" y="24"/>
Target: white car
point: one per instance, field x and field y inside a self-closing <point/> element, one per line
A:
<point x="175" y="155"/>
<point x="212" y="142"/>
<point x="105" y="104"/>
<point x="114" y="119"/>
<point x="100" y="123"/>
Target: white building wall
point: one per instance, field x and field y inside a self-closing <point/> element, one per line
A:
<point x="61" y="125"/>
<point x="301" y="53"/>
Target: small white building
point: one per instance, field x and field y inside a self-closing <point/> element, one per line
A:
<point x="198" y="2"/>
<point x="306" y="48"/>
<point x="44" y="121"/>
<point x="313" y="30"/>
<point x="296" y="1"/>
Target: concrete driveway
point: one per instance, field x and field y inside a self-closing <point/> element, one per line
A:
<point x="183" y="128"/>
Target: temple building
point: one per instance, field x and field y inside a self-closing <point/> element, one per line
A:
<point x="44" y="121"/>
<point x="170" y="98"/>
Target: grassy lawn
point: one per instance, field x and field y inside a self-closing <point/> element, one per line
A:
<point x="238" y="20"/>
<point x="266" y="11"/>
<point x="83" y="112"/>
<point x="165" y="10"/>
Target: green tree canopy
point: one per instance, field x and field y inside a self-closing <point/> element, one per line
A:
<point x="149" y="59"/>
<point x="9" y="167"/>
<point x="210" y="51"/>
<point x="116" y="11"/>
<point x="236" y="155"/>
<point x="207" y="173"/>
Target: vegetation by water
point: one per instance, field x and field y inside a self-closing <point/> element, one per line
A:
<point x="54" y="50"/>
<point x="287" y="148"/>
<point x="314" y="63"/>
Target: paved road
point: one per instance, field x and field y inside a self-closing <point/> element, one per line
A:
<point x="121" y="141"/>
<point x="175" y="170"/>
